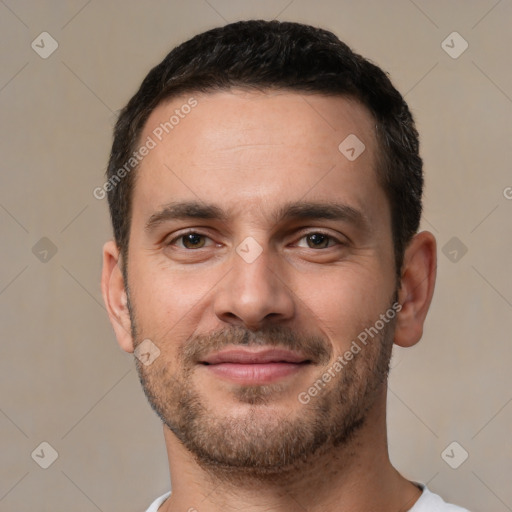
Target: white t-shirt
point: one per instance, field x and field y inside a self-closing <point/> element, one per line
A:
<point x="428" y="502"/>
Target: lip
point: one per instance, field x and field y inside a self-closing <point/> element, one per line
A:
<point x="253" y="368"/>
<point x="255" y="357"/>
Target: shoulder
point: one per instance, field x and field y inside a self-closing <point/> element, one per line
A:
<point x="430" y="502"/>
<point x="156" y="504"/>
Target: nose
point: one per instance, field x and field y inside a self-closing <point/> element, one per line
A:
<point x="255" y="293"/>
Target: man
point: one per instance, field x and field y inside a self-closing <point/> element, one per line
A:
<point x="265" y="193"/>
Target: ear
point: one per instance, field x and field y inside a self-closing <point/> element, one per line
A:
<point x="416" y="289"/>
<point x="114" y="296"/>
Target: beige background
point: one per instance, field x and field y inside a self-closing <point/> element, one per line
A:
<point x="64" y="379"/>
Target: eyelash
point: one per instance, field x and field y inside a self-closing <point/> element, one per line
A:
<point x="330" y="237"/>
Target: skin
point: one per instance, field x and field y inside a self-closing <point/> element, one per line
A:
<point x="249" y="153"/>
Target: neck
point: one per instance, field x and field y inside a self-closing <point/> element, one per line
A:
<point x="357" y="476"/>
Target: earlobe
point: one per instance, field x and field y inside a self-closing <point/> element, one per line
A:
<point x="417" y="288"/>
<point x="114" y="296"/>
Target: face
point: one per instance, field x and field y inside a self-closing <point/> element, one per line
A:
<point x="259" y="254"/>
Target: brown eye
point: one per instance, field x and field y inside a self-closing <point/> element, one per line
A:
<point x="191" y="240"/>
<point x="318" y="240"/>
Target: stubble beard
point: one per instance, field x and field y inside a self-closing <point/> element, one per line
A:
<point x="260" y="443"/>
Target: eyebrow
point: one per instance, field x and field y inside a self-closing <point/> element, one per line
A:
<point x="185" y="210"/>
<point x="299" y="210"/>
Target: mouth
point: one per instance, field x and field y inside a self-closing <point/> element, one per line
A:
<point x="255" y="367"/>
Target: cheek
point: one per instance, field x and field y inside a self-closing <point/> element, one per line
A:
<point x="167" y="302"/>
<point x="344" y="303"/>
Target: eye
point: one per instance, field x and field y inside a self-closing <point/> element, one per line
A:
<point x="190" y="240"/>
<point x="319" y="240"/>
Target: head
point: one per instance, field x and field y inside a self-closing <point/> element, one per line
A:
<point x="244" y="128"/>
<point x="273" y="55"/>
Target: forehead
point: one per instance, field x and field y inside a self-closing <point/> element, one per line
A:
<point x="258" y="149"/>
<point x="224" y="119"/>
